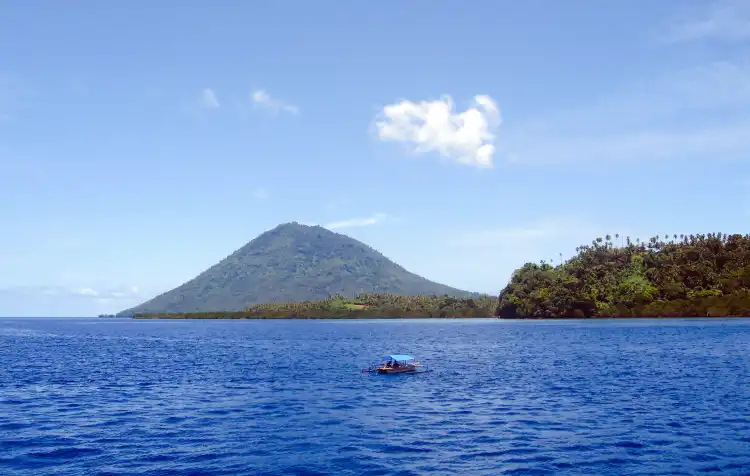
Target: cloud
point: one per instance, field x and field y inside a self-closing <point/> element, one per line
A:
<point x="525" y="235"/>
<point x="84" y="292"/>
<point x="701" y="110"/>
<point x="261" y="194"/>
<point x="432" y="126"/>
<point x="208" y="99"/>
<point x="375" y="219"/>
<point x="719" y="140"/>
<point x="87" y="292"/>
<point x="722" y="20"/>
<point x="262" y="99"/>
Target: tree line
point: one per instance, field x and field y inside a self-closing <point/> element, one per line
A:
<point x="366" y="305"/>
<point x="669" y="276"/>
<point x="665" y="276"/>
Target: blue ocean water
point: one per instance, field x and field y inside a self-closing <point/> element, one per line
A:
<point x="111" y="396"/>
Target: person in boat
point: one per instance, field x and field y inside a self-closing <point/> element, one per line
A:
<point x="396" y="364"/>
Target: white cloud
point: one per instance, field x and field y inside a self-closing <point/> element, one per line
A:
<point x="84" y="292"/>
<point x="432" y="126"/>
<point x="261" y="98"/>
<point x="208" y="99"/>
<point x="528" y="234"/>
<point x="725" y="20"/>
<point x="698" y="111"/>
<point x="359" y="222"/>
<point x="261" y="194"/>
<point x="88" y="292"/>
<point x="720" y="139"/>
<point x="127" y="292"/>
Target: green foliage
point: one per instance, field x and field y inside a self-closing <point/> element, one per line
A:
<point x="295" y="271"/>
<point x="293" y="262"/>
<point x="696" y="275"/>
<point x="371" y="305"/>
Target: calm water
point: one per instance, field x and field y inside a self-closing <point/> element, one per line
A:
<point x="98" y="396"/>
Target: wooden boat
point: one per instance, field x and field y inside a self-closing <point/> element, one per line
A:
<point x="397" y="364"/>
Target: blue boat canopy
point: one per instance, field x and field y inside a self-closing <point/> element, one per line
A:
<point x="398" y="357"/>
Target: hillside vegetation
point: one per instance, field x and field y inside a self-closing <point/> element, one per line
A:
<point x="293" y="263"/>
<point x="369" y="305"/>
<point x="296" y="271"/>
<point x="671" y="276"/>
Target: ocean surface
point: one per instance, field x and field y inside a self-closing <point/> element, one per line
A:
<point x="124" y="397"/>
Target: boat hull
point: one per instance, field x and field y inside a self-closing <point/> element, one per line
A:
<point x="400" y="370"/>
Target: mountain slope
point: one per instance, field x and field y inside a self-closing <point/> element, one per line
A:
<point x="292" y="262"/>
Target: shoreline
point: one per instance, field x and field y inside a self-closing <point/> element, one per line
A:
<point x="286" y="318"/>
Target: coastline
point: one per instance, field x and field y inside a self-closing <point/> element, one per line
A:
<point x="383" y="318"/>
<point x="292" y="318"/>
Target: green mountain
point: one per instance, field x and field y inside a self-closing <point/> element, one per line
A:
<point x="293" y="262"/>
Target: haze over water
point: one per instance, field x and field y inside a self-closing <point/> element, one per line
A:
<point x="111" y="396"/>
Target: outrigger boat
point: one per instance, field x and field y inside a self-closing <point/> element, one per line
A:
<point x="396" y="364"/>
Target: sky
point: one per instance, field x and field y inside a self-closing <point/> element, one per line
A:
<point x="142" y="142"/>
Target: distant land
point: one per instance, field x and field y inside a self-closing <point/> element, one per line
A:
<point x="363" y="306"/>
<point x="613" y="277"/>
<point x="668" y="276"/>
<point x="293" y="263"/>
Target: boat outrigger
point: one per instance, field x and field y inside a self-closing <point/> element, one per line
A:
<point x="396" y="364"/>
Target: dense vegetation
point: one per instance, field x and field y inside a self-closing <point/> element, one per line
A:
<point x="672" y="276"/>
<point x="292" y="262"/>
<point x="295" y="271"/>
<point x="364" y="305"/>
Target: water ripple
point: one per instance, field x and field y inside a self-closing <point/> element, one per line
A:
<point x="123" y="397"/>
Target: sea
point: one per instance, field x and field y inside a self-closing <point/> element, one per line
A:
<point x="289" y="397"/>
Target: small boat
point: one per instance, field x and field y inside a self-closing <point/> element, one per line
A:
<point x="396" y="364"/>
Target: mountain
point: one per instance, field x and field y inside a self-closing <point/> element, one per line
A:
<point x="292" y="262"/>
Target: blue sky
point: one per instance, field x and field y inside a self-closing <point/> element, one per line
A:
<point x="140" y="144"/>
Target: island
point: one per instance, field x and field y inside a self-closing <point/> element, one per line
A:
<point x="294" y="263"/>
<point x="300" y="272"/>
<point x="363" y="306"/>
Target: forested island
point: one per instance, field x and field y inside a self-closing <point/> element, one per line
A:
<point x="363" y="306"/>
<point x="669" y="276"/>
<point x="294" y="263"/>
